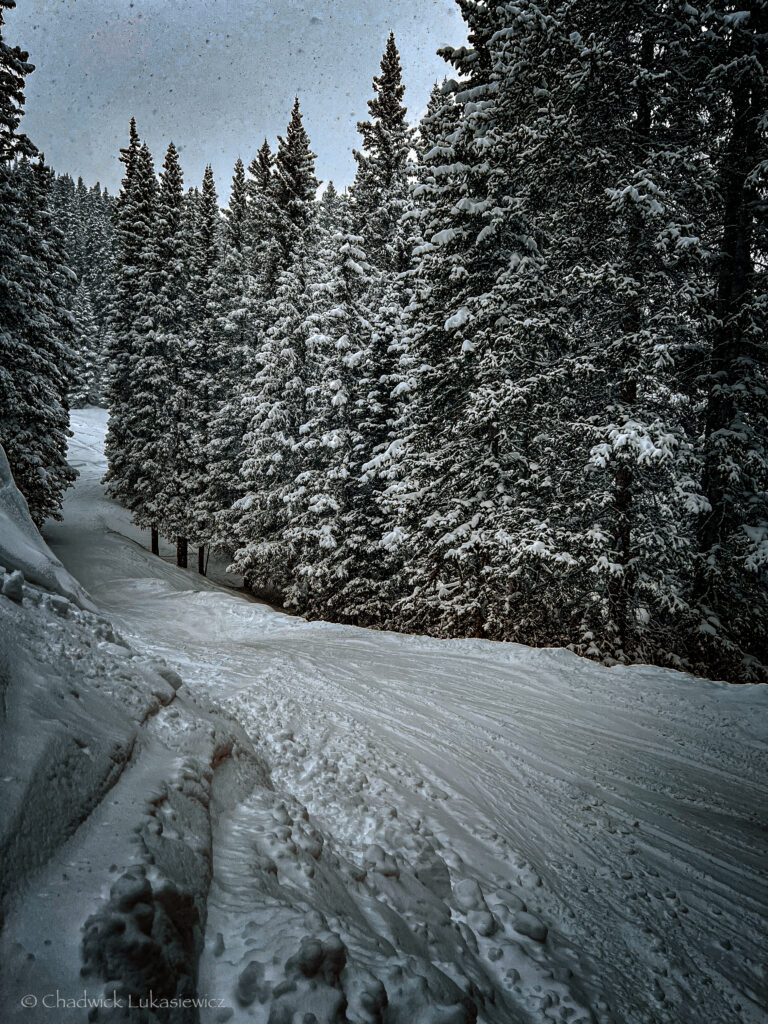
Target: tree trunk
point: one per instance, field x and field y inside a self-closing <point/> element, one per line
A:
<point x="181" y="552"/>
<point x="155" y="541"/>
<point x="201" y="559"/>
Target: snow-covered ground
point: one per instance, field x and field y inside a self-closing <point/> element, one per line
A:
<point x="363" y="826"/>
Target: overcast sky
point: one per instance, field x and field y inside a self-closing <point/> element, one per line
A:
<point x="216" y="76"/>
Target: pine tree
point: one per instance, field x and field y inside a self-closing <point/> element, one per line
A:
<point x="237" y="211"/>
<point x="14" y="68"/>
<point x="204" y="367"/>
<point x="277" y="397"/>
<point x="84" y="216"/>
<point x="328" y="499"/>
<point x="38" y="347"/>
<point x="35" y="293"/>
<point x="262" y="215"/>
<point x="236" y="309"/>
<point x="171" y="249"/>
<point x="358" y="407"/>
<point x="453" y="475"/>
<point x="87" y="363"/>
<point x="261" y="517"/>
<point x="381" y="203"/>
<point x="732" y="569"/>
<point x="293" y="185"/>
<point x="130" y="246"/>
<point x="146" y="381"/>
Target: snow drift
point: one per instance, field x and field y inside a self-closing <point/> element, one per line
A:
<point x="22" y="548"/>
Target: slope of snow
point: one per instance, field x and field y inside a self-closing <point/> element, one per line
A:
<point x="22" y="548"/>
<point x="372" y="827"/>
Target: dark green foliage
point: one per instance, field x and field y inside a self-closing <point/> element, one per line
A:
<point x="36" y="294"/>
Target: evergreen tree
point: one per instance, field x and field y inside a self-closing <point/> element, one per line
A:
<point x="87" y="363"/>
<point x="145" y="416"/>
<point x="36" y="340"/>
<point x="235" y="309"/>
<point x="204" y="367"/>
<point x="277" y="397"/>
<point x="293" y="185"/>
<point x="171" y="249"/>
<point x="337" y="503"/>
<point x="35" y="292"/>
<point x="262" y="215"/>
<point x="261" y="517"/>
<point x="14" y="68"/>
<point x="130" y="246"/>
<point x="237" y="211"/>
<point x="731" y="585"/>
<point x="325" y="502"/>
<point x="452" y="474"/>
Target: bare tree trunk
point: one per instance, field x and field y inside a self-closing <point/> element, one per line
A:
<point x="181" y="552"/>
<point x="155" y="541"/>
<point x="201" y="559"/>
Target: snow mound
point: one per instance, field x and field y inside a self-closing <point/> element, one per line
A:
<point x="22" y="548"/>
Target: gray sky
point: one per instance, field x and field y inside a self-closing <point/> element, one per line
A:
<point x="216" y="76"/>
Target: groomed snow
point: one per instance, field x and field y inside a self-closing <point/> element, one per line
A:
<point x="372" y="827"/>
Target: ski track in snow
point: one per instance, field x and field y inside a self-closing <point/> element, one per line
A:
<point x="422" y="792"/>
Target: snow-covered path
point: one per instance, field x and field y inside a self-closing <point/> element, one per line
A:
<point x="447" y="783"/>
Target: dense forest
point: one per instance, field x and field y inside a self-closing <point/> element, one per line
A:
<point x="511" y="383"/>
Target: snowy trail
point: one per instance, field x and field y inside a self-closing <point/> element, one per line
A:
<point x="626" y="808"/>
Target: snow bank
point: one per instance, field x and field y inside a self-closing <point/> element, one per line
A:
<point x="22" y="548"/>
<point x="105" y="836"/>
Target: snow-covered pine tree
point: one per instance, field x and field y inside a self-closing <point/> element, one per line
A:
<point x="261" y="517"/>
<point x="146" y="415"/>
<point x="236" y="213"/>
<point x="262" y="214"/>
<point x="97" y="270"/>
<point x="236" y="306"/>
<point x="41" y="357"/>
<point x="330" y="210"/>
<point x="455" y="466"/>
<point x="87" y="361"/>
<point x="328" y="498"/>
<point x="731" y="586"/>
<point x="377" y="250"/>
<point x="171" y="252"/>
<point x="379" y="194"/>
<point x="293" y="186"/>
<point x="84" y="216"/>
<point x="277" y="397"/>
<point x="602" y="544"/>
<point x="204" y="367"/>
<point x="130" y="245"/>
<point x="14" y="68"/>
<point x="350" y="575"/>
<point x="35" y="292"/>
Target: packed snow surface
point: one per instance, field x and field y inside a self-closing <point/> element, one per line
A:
<point x="329" y="824"/>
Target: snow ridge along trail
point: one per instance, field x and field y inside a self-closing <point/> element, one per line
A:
<point x="441" y="831"/>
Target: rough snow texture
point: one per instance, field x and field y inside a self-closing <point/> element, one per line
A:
<point x="362" y="826"/>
